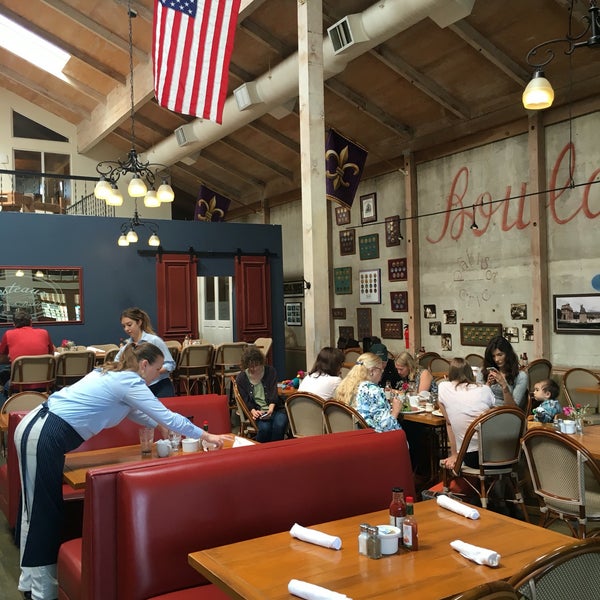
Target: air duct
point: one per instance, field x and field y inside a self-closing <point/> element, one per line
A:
<point x="185" y="135"/>
<point x="346" y="33"/>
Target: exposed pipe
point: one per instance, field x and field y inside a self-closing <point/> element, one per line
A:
<point x="381" y="21"/>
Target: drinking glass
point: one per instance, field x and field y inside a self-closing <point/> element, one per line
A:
<point x="146" y="440"/>
<point x="175" y="439"/>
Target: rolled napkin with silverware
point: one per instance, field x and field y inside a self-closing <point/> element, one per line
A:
<point x="315" y="537"/>
<point x="482" y="556"/>
<point x="458" y="507"/>
<point x="310" y="591"/>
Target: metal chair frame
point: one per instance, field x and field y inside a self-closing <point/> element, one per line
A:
<point x="194" y="368"/>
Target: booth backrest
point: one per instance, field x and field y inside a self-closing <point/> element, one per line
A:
<point x="165" y="512"/>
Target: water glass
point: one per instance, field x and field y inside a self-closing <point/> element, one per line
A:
<point x="146" y="440"/>
<point x="175" y="439"/>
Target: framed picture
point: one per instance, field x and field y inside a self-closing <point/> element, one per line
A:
<point x="478" y="334"/>
<point x="342" y="280"/>
<point x="450" y="317"/>
<point x="399" y="301"/>
<point x="370" y="286"/>
<point x="368" y="246"/>
<point x="338" y="313"/>
<point x="392" y="231"/>
<point x="511" y="334"/>
<point x="364" y="323"/>
<point x="347" y="331"/>
<point x="447" y="342"/>
<point x="368" y="208"/>
<point x="397" y="270"/>
<point x="435" y="328"/>
<point x="391" y="329"/>
<point x="518" y="311"/>
<point x="342" y="215"/>
<point x="347" y="242"/>
<point x="429" y="311"/>
<point x="293" y="288"/>
<point x="578" y="313"/>
<point x="293" y="314"/>
<point x="527" y="332"/>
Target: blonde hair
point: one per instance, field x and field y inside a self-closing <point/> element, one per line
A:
<point x="346" y="390"/>
<point x="406" y="359"/>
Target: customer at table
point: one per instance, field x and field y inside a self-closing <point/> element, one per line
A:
<point x="136" y="324"/>
<point x="102" y="399"/>
<point x="360" y="390"/>
<point x="23" y="340"/>
<point x="501" y="373"/>
<point x="411" y="375"/>
<point x="545" y="393"/>
<point x="257" y="384"/>
<point x="461" y="401"/>
<point x="324" y="377"/>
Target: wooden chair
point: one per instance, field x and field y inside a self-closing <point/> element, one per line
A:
<point x="20" y="401"/>
<point x="499" y="431"/>
<point x="194" y="368"/>
<point x="475" y="360"/>
<point x="439" y="367"/>
<point x="72" y="366"/>
<point x="305" y="414"/>
<point x="226" y="362"/>
<point x="565" y="477"/>
<point x="575" y="378"/>
<point x="571" y="571"/>
<point x="174" y="347"/>
<point x="426" y="358"/>
<point x="493" y="590"/>
<point x="341" y="417"/>
<point x="33" y="372"/>
<point x="538" y="369"/>
<point x="248" y="426"/>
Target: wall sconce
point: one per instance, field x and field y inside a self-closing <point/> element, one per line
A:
<point x="539" y="93"/>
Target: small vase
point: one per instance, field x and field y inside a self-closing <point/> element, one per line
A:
<point x="579" y="425"/>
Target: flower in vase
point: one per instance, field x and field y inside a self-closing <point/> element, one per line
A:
<point x="575" y="412"/>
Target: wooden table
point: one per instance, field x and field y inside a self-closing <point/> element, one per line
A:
<point x="3" y="422"/>
<point x="77" y="464"/>
<point x="589" y="439"/>
<point x="262" y="567"/>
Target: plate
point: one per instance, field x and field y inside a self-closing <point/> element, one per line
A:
<point x="414" y="411"/>
<point x="437" y="413"/>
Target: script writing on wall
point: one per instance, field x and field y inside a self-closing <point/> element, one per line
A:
<point x="475" y="270"/>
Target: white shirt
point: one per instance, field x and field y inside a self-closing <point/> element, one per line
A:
<point x="322" y="385"/>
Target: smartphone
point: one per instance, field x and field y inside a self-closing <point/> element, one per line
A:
<point x="265" y="416"/>
<point x="493" y="369"/>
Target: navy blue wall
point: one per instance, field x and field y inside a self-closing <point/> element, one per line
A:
<point x="115" y="278"/>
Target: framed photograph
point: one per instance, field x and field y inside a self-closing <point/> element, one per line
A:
<point x="579" y="313"/>
<point x="511" y="334"/>
<point x="518" y="312"/>
<point x="293" y="288"/>
<point x="293" y="314"/>
<point x="391" y="329"/>
<point x="392" y="231"/>
<point x="368" y="208"/>
<point x="429" y="311"/>
<point x="338" y="313"/>
<point x="447" y="342"/>
<point x="450" y="317"/>
<point x="527" y="332"/>
<point x="435" y="328"/>
<point x="478" y="334"/>
<point x="342" y="215"/>
<point x="347" y="242"/>
<point x="370" y="286"/>
<point x="399" y="301"/>
<point x="368" y="246"/>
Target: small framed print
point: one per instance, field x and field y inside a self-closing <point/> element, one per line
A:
<point x="391" y="329"/>
<point x="347" y="242"/>
<point x="370" y="286"/>
<point x="368" y="208"/>
<point x="338" y="313"/>
<point x="363" y="319"/>
<point x="347" y="331"/>
<point x="293" y="314"/>
<point x="397" y="270"/>
<point x="342" y="280"/>
<point x="528" y="333"/>
<point x="435" y="328"/>
<point x="392" y="231"/>
<point x="342" y="215"/>
<point x="368" y="246"/>
<point x="518" y="312"/>
<point x="399" y="301"/>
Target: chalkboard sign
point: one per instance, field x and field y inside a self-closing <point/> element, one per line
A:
<point x="50" y="294"/>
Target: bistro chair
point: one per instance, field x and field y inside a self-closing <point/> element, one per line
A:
<point x="583" y="378"/>
<point x="565" y="477"/>
<point x="194" y="368"/>
<point x="439" y="367"/>
<point x="33" y="372"/>
<point x="351" y="355"/>
<point x="571" y="571"/>
<point x="305" y="414"/>
<point x="174" y="347"/>
<point x="426" y="358"/>
<point x="265" y="345"/>
<point x="20" y="401"/>
<point x="72" y="366"/>
<point x="341" y="417"/>
<point x="226" y="362"/>
<point x="111" y="355"/>
<point x="538" y="369"/>
<point x="499" y="431"/>
<point x="475" y="360"/>
<point x="493" y="590"/>
<point x="248" y="426"/>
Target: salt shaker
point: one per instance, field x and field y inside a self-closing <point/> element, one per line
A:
<point x="363" y="536"/>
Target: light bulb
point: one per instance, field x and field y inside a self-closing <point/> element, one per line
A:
<point x="151" y="199"/>
<point x="136" y="188"/>
<point x="122" y="241"/>
<point x="132" y="236"/>
<point x="539" y="93"/>
<point x="39" y="274"/>
<point x="102" y="189"/>
<point x="115" y="198"/>
<point x="165" y="192"/>
<point x="154" y="240"/>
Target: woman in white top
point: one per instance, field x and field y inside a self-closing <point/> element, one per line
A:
<point x="324" y="377"/>
<point x="461" y="401"/>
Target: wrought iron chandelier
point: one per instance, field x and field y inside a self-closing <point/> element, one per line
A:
<point x="144" y="174"/>
<point x="129" y="234"/>
<point x="539" y="93"/>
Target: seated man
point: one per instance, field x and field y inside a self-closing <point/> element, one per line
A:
<point x="23" y="340"/>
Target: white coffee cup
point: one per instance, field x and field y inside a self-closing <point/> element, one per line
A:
<point x="190" y="444"/>
<point x="429" y="407"/>
<point x="568" y="426"/>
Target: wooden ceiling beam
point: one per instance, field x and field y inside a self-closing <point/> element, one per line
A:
<point x="229" y="168"/>
<point x="259" y="158"/>
<point x="214" y="184"/>
<point x="63" y="45"/>
<point x="484" y="47"/>
<point x="275" y="136"/>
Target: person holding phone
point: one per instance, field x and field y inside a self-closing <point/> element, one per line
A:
<point x="501" y="373"/>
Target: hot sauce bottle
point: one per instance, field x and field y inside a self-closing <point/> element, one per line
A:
<point x="410" y="530"/>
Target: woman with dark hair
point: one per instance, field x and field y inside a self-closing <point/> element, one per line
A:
<point x="501" y="373"/>
<point x="136" y="324"/>
<point x="461" y="401"/>
<point x="257" y="384"/>
<point x="103" y="398"/>
<point x="324" y="377"/>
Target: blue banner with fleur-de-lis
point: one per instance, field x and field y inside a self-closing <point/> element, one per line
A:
<point x="344" y="164"/>
<point x="210" y="206"/>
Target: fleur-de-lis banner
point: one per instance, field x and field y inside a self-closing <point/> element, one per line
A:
<point x="344" y="163"/>
<point x="210" y="206"/>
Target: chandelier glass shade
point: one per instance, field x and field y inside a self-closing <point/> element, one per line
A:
<point x="129" y="231"/>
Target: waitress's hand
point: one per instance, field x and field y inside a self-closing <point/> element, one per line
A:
<point x="217" y="440"/>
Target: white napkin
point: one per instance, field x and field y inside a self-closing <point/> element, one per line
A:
<point x="315" y="537"/>
<point x="458" y="507"/>
<point x="240" y="441"/>
<point x="94" y="349"/>
<point x="310" y="591"/>
<point x="482" y="556"/>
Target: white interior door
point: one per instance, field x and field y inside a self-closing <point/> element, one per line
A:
<point x="215" y="309"/>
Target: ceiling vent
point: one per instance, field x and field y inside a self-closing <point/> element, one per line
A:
<point x="346" y="33"/>
<point x="185" y="135"/>
<point x="247" y="95"/>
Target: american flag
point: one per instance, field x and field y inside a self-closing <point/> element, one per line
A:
<point x="192" y="45"/>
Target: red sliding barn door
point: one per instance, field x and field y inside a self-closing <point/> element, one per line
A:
<point x="177" y="298"/>
<point x="252" y="298"/>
